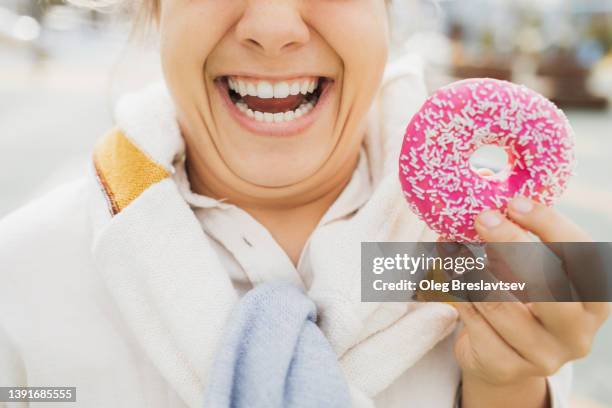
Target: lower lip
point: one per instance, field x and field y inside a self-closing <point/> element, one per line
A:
<point x="290" y="128"/>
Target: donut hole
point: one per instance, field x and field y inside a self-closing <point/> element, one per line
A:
<point x="493" y="158"/>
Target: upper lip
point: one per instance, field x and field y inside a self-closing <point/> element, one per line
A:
<point x="273" y="89"/>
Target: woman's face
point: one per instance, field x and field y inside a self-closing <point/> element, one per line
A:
<point x="272" y="95"/>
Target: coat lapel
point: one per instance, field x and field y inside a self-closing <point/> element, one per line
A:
<point x="168" y="284"/>
<point x="377" y="342"/>
<point x="150" y="249"/>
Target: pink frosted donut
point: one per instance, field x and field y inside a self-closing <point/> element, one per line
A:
<point x="438" y="181"/>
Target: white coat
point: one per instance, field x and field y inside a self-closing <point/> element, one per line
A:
<point x="128" y="307"/>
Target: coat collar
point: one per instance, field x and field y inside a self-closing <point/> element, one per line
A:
<point x="157" y="263"/>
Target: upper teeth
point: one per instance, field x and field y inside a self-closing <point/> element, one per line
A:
<point x="267" y="90"/>
<point x="277" y="117"/>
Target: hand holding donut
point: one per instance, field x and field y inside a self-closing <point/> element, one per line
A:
<point x="507" y="349"/>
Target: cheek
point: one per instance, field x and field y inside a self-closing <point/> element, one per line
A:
<point x="187" y="37"/>
<point x="358" y="32"/>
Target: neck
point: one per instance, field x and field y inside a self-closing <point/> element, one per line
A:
<point x="290" y="221"/>
<point x="291" y="227"/>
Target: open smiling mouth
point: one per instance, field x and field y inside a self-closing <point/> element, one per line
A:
<point x="288" y="102"/>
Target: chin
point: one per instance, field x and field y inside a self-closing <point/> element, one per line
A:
<point x="275" y="133"/>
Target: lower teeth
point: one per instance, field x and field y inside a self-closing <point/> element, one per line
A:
<point x="269" y="117"/>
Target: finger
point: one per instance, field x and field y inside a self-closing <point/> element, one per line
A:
<point x="482" y="349"/>
<point x="599" y="309"/>
<point x="572" y="322"/>
<point x="558" y="317"/>
<point x="514" y="322"/>
<point x="453" y="250"/>
<point x="545" y="222"/>
<point x="492" y="226"/>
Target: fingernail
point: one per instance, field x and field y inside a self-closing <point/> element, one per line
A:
<point x="522" y="205"/>
<point x="490" y="219"/>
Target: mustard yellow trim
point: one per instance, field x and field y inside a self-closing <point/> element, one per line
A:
<point x="124" y="170"/>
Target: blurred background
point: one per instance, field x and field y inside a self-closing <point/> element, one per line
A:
<point x="61" y="69"/>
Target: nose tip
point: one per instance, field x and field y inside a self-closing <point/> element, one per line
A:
<point x="269" y="48"/>
<point x="272" y="28"/>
